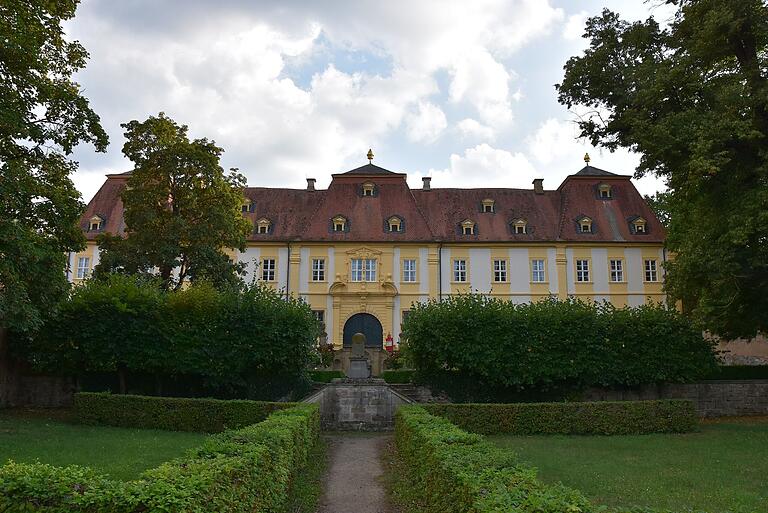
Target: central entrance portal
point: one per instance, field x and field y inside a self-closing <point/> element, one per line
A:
<point x="366" y="324"/>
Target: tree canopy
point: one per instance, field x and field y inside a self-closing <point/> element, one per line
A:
<point x="692" y="100"/>
<point x="182" y="211"/>
<point x="43" y="117"/>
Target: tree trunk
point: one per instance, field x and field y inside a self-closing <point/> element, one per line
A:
<point x="158" y="385"/>
<point x="9" y="372"/>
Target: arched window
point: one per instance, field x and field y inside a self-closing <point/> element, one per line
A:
<point x="395" y="224"/>
<point x="467" y="227"/>
<point x="488" y="206"/>
<point x="604" y="191"/>
<point x="640" y="226"/>
<point x="95" y="223"/>
<point x="585" y="224"/>
<point x="368" y="189"/>
<point x="339" y="224"/>
<point x="519" y="226"/>
<point x="263" y="226"/>
<point x="247" y="206"/>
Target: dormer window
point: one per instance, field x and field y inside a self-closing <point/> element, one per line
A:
<point x="263" y="226"/>
<point x="247" y="206"/>
<point x="94" y="224"/>
<point x="585" y="224"/>
<point x="467" y="227"/>
<point x="488" y="207"/>
<point x="640" y="226"/>
<point x="395" y="224"/>
<point x="339" y="224"/>
<point x="604" y="191"/>
<point x="368" y="189"/>
<point x="519" y="226"/>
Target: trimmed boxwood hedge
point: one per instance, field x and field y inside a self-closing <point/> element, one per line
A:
<point x="171" y="413"/>
<point x="246" y="470"/>
<point x="325" y="376"/>
<point x="398" y="376"/>
<point x="573" y="418"/>
<point x="452" y="471"/>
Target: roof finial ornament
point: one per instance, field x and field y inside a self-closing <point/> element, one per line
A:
<point x="370" y="156"/>
<point x="586" y="158"/>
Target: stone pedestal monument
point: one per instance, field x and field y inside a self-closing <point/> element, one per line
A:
<point x="359" y="363"/>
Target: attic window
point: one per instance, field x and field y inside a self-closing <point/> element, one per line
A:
<point x="339" y="223"/>
<point x="263" y="225"/>
<point x="604" y="191"/>
<point x="640" y="226"/>
<point x="585" y="225"/>
<point x="395" y="224"/>
<point x="246" y="207"/>
<point x="467" y="227"/>
<point x="368" y="189"/>
<point x="488" y="206"/>
<point x="519" y="226"/>
<point x="94" y="224"/>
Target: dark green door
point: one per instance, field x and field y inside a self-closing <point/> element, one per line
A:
<point x="366" y="324"/>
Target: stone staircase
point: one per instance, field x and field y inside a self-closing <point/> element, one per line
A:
<point x="418" y="393"/>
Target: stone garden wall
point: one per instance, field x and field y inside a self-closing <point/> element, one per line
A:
<point x="712" y="398"/>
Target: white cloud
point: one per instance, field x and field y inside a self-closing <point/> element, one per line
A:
<point x="484" y="166"/>
<point x="471" y="128"/>
<point x="574" y="27"/>
<point x="557" y="152"/>
<point x="427" y="124"/>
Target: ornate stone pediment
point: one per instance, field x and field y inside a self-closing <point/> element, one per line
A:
<point x="364" y="252"/>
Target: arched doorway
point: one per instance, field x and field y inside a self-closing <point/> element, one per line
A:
<point x="366" y="324"/>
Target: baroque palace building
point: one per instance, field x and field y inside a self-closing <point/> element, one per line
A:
<point x="365" y="249"/>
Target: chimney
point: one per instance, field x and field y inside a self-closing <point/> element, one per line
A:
<point x="538" y="185"/>
<point x="426" y="180"/>
<point x="311" y="184"/>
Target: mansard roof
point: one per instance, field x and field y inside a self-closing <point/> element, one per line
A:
<point x="430" y="215"/>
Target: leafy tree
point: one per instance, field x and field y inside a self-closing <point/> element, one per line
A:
<point x="659" y="203"/>
<point x="43" y="117"/>
<point x="692" y="99"/>
<point x="181" y="209"/>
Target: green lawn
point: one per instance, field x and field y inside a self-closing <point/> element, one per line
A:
<point x="121" y="453"/>
<point x="722" y="468"/>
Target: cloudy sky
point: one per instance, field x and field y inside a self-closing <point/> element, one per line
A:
<point x="461" y="91"/>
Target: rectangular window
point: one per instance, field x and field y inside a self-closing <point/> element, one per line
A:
<point x="650" y="271"/>
<point x="320" y="316"/>
<point x="318" y="269"/>
<point x="617" y="271"/>
<point x="268" y="269"/>
<point x="460" y="271"/>
<point x="538" y="275"/>
<point x="500" y="270"/>
<point x="409" y="270"/>
<point x="83" y="267"/>
<point x="363" y="269"/>
<point x="582" y="270"/>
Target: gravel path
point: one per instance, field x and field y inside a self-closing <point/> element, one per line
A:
<point x="353" y="484"/>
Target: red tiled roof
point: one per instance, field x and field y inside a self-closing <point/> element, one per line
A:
<point x="428" y="215"/>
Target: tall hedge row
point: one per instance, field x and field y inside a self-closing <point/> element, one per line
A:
<point x="487" y="349"/>
<point x="572" y="418"/>
<point x="246" y="470"/>
<point x="171" y="413"/>
<point x="250" y="342"/>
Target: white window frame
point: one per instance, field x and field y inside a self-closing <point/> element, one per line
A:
<point x="651" y="268"/>
<point x="538" y="270"/>
<point x="362" y="270"/>
<point x="83" y="267"/>
<point x="318" y="269"/>
<point x="268" y="269"/>
<point x="409" y="270"/>
<point x="459" y="270"/>
<point x="319" y="315"/>
<point x="500" y="271"/>
<point x="616" y="270"/>
<point x="582" y="270"/>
